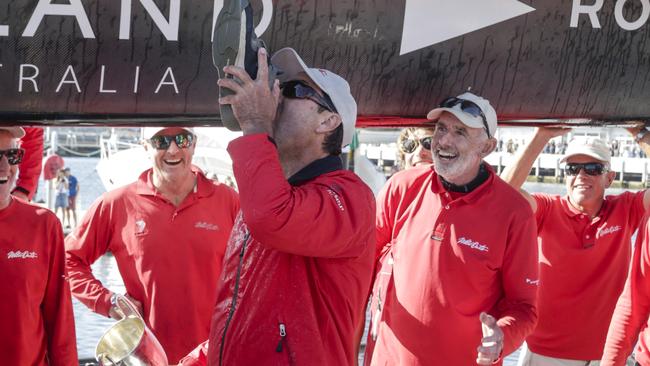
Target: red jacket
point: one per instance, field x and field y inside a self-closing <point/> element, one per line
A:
<point x="631" y="319"/>
<point x="169" y="257"/>
<point x="36" y="319"/>
<point x="298" y="264"/>
<point x="445" y="261"/>
<point x="31" y="166"/>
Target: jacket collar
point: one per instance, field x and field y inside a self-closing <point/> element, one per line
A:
<point x="438" y="188"/>
<point x="318" y="167"/>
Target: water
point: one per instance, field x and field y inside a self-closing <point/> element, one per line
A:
<point x="91" y="326"/>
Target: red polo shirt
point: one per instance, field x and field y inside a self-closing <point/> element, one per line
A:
<point x="583" y="266"/>
<point x="631" y="319"/>
<point x="170" y="257"/>
<point x="452" y="260"/>
<point x="36" y="319"/>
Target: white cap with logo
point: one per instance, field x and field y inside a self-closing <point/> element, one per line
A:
<point x="16" y="132"/>
<point x="468" y="119"/>
<point x="291" y="65"/>
<point x="149" y="132"/>
<point x="593" y="147"/>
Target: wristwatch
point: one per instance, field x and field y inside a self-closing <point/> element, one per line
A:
<point x="639" y="136"/>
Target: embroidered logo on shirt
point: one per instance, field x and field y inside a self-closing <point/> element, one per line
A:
<point x="609" y="230"/>
<point x="473" y="244"/>
<point x="22" y="255"/>
<point x="532" y="282"/>
<point x="206" y="226"/>
<point x="336" y="199"/>
<point x="140" y="226"/>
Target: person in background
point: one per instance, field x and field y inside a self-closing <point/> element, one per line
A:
<point x="31" y="166"/>
<point x="458" y="282"/>
<point x="414" y="147"/>
<point x="584" y="250"/>
<point x="168" y="233"/>
<point x="61" y="199"/>
<point x="73" y="191"/>
<point x="36" y="319"/>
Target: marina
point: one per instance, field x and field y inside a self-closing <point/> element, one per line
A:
<point x="90" y="326"/>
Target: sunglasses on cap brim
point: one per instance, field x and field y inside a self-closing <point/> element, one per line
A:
<point x="14" y="156"/>
<point x="409" y="145"/>
<point x="297" y="89"/>
<point x="468" y="107"/>
<point x="594" y="169"/>
<point x="162" y="142"/>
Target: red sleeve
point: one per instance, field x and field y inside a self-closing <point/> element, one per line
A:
<point x="543" y="201"/>
<point x="31" y="166"/>
<point x="517" y="310"/>
<point x="58" y="317"/>
<point x="633" y="306"/>
<point x="299" y="219"/>
<point x="89" y="241"/>
<point x="384" y="219"/>
<point x="198" y="356"/>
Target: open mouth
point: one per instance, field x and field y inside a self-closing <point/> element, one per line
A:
<point x="445" y="156"/>
<point x="4" y="179"/>
<point x="173" y="162"/>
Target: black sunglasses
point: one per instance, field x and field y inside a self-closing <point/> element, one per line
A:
<point x="468" y="107"/>
<point x="14" y="156"/>
<point x="162" y="142"/>
<point x="409" y="145"/>
<point x="296" y="89"/>
<point x="589" y="168"/>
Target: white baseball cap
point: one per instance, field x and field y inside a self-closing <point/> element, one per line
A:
<point x="291" y="65"/>
<point x="468" y="119"/>
<point x="593" y="147"/>
<point x="149" y="132"/>
<point x="16" y="132"/>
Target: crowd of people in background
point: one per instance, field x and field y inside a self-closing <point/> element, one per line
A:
<point x="617" y="149"/>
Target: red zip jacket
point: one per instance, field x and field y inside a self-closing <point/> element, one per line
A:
<point x="298" y="264"/>
<point x="36" y="319"/>
<point x="631" y="319"/>
<point x="31" y="166"/>
<point x="583" y="265"/>
<point x="169" y="257"/>
<point x="448" y="261"/>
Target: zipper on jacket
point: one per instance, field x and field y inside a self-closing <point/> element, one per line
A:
<point x="234" y="297"/>
<point x="283" y="334"/>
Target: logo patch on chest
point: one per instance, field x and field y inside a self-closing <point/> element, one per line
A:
<point x="473" y="244"/>
<point x="608" y="230"/>
<point x="22" y="255"/>
<point x="206" y="226"/>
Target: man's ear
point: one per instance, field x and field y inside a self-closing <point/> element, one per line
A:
<point x="488" y="147"/>
<point x="329" y="123"/>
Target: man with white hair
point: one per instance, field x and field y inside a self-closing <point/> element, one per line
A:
<point x="457" y="246"/>
<point x="37" y="323"/>
<point x="168" y="233"/>
<point x="584" y="251"/>
<point x="299" y="261"/>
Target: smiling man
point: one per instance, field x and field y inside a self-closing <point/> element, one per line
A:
<point x="168" y="233"/>
<point x="37" y="324"/>
<point x="459" y="274"/>
<point x="584" y="251"/>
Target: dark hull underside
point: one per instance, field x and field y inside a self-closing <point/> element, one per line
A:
<point x="539" y="62"/>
